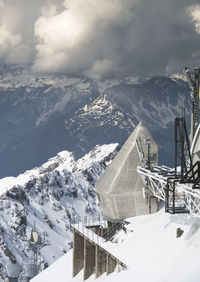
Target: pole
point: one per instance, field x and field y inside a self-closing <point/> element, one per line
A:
<point x="196" y="102"/>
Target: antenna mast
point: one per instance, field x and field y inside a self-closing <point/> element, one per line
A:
<point x="194" y="83"/>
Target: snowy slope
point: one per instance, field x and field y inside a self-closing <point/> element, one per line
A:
<point x="49" y="199"/>
<point x="150" y="249"/>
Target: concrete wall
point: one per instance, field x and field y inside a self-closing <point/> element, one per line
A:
<point x="100" y="262"/>
<point x="153" y="204"/>
<point x="111" y="264"/>
<point x="78" y="253"/>
<point x="120" y="188"/>
<point x="91" y="257"/>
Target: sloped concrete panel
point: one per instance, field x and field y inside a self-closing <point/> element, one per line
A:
<point x="100" y="262"/>
<point x="89" y="259"/>
<point x="120" y="189"/>
<point x="78" y="253"/>
<point x="111" y="264"/>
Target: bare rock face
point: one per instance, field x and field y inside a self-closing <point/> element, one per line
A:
<point x="49" y="199"/>
<point x="17" y="193"/>
<point x="179" y="232"/>
<point x="7" y="252"/>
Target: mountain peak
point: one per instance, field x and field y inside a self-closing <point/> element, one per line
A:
<point x="50" y="198"/>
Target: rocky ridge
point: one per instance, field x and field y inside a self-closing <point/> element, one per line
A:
<point x="48" y="199"/>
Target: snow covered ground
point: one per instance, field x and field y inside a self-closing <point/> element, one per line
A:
<point x="150" y="249"/>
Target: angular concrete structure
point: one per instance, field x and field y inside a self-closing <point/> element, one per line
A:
<point x="120" y="190"/>
<point x="78" y="253"/>
<point x="91" y="257"/>
<point x="101" y="261"/>
<point x="110" y="264"/>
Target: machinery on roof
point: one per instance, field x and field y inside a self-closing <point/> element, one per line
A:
<point x="122" y="193"/>
<point x="180" y="187"/>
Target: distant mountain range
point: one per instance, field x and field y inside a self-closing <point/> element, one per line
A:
<point x="42" y="115"/>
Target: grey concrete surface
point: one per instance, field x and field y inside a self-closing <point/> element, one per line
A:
<point x="120" y="188"/>
<point x="110" y="264"/>
<point x="100" y="262"/>
<point x="78" y="253"/>
<point x="89" y="259"/>
<point x="153" y="204"/>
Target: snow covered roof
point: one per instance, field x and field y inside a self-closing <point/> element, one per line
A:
<point x="150" y="249"/>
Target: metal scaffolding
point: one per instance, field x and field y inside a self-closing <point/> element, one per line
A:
<point x="180" y="187"/>
<point x="178" y="197"/>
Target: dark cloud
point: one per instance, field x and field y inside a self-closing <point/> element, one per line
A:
<point x="17" y="20"/>
<point x="102" y="38"/>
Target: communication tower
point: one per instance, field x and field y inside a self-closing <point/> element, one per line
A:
<point x="30" y="266"/>
<point x="194" y="83"/>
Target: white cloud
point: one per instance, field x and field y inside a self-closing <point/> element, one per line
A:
<point x="7" y="39"/>
<point x="17" y="20"/>
<point x="9" y="42"/>
<point x="100" y="68"/>
<point x="1" y="4"/>
<point x="195" y="13"/>
<point x="103" y="38"/>
<point x="73" y="38"/>
<point x="49" y="10"/>
<point x="100" y="38"/>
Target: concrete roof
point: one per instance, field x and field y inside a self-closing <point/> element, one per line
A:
<point x="121" y="176"/>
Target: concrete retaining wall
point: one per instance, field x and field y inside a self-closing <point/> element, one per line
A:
<point x="91" y="257"/>
<point x="78" y="253"/>
<point x="100" y="262"/>
<point x="110" y="264"/>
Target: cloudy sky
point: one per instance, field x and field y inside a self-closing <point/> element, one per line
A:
<point x="101" y="38"/>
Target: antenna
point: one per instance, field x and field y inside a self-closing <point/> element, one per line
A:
<point x="30" y="266"/>
<point x="189" y="77"/>
<point x="194" y="82"/>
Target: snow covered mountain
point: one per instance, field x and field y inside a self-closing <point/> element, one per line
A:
<point x="43" y="115"/>
<point x="49" y="199"/>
